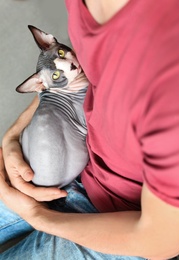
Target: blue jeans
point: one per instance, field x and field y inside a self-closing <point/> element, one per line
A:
<point x="38" y="245"/>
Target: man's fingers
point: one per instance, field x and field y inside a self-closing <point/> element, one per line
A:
<point x="39" y="193"/>
<point x="16" y="165"/>
<point x="25" y="171"/>
<point x="49" y="194"/>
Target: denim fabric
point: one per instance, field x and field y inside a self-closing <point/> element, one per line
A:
<point x="11" y="225"/>
<point x="38" y="245"/>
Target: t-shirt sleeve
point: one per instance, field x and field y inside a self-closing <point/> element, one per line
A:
<point x="160" y="136"/>
<point x="159" y="122"/>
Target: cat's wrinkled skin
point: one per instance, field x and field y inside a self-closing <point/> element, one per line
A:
<point x="54" y="143"/>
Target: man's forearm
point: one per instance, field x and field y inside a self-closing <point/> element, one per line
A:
<point x="122" y="233"/>
<point x="111" y="233"/>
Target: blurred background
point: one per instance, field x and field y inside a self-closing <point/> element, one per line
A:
<point x="19" y="52"/>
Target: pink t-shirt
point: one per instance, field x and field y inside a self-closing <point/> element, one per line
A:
<point x="132" y="103"/>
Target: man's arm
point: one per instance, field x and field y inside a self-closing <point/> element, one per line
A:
<point x="19" y="172"/>
<point x="153" y="234"/>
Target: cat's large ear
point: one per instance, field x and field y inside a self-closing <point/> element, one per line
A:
<point x="32" y="84"/>
<point x="43" y="40"/>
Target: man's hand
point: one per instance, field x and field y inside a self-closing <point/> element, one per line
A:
<point x="20" y="203"/>
<point x="20" y="174"/>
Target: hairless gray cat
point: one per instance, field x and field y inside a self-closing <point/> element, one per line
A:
<point x="54" y="143"/>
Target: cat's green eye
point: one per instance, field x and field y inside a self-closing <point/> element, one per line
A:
<point x="61" y="53"/>
<point x="56" y="75"/>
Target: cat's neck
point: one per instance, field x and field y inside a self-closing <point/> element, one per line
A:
<point x="70" y="105"/>
<point x="58" y="94"/>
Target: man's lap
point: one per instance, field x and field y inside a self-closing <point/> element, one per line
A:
<point x="38" y="245"/>
<point x="11" y="225"/>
